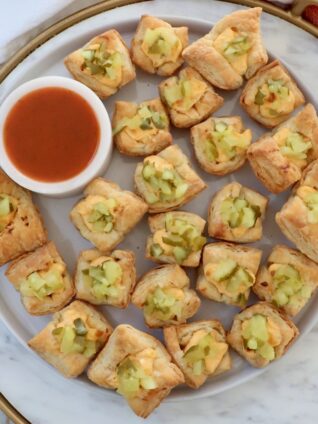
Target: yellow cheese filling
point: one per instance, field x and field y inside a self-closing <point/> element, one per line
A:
<point x="184" y="93"/>
<point x="98" y="213"/>
<point x="274" y="98"/>
<point x="293" y="145"/>
<point x="161" y="45"/>
<point x="165" y="303"/>
<point x="8" y="208"/>
<point x="310" y="198"/>
<point x="239" y="214"/>
<point x="234" y="47"/>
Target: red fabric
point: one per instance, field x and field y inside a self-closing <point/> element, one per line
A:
<point x="311" y="14"/>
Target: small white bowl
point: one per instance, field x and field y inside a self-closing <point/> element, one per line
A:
<point x="97" y="165"/>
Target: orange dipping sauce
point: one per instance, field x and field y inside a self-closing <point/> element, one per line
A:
<point x="51" y="134"/>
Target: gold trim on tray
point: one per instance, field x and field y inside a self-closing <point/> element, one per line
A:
<point x="293" y="17"/>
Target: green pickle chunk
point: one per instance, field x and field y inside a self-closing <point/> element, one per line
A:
<point x="289" y="286"/>
<point x="164" y="185"/>
<point x="101" y="216"/>
<point x="238" y="212"/>
<point x="256" y="336"/>
<point x="225" y="141"/>
<point x="162" y="304"/>
<point x="103" y="279"/>
<point x="6" y="211"/>
<point x="102" y="62"/>
<point x="296" y="147"/>
<point x="183" y="236"/>
<point x="311" y="201"/>
<point x="132" y="378"/>
<point x="73" y="339"/>
<point x="42" y="284"/>
<point x="237" y="47"/>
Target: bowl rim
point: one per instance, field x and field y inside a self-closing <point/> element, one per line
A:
<point x="103" y="151"/>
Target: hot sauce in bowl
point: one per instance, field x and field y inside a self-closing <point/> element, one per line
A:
<point x="55" y="136"/>
<point x="51" y="134"/>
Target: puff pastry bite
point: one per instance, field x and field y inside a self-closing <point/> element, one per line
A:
<point x="165" y="297"/>
<point x="176" y="238"/>
<point x="199" y="349"/>
<point x="42" y="279"/>
<point x="288" y="280"/>
<point x="271" y="95"/>
<point x="157" y="46"/>
<point x="138" y="366"/>
<point x="232" y="50"/>
<point x="141" y="130"/>
<point x="21" y="227"/>
<point x="166" y="181"/>
<point x="103" y="64"/>
<point x="236" y="214"/>
<point x="105" y="280"/>
<point x="220" y="144"/>
<point x="298" y="218"/>
<point x="278" y="158"/>
<point x="228" y="272"/>
<point x="73" y="338"/>
<point x="189" y="98"/>
<point x="262" y="334"/>
<point x="107" y="213"/>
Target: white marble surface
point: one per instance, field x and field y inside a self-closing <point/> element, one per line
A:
<point x="286" y="393"/>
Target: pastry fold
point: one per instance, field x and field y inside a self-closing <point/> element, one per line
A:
<point x="127" y="350"/>
<point x="21" y="226"/>
<point x="232" y="50"/>
<point x="91" y="63"/>
<point x="42" y="279"/>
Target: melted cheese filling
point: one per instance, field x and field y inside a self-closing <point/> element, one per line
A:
<point x="161" y="45"/>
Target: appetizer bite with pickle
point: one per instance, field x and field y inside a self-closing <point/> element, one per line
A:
<point x="164" y="295"/>
<point x="138" y="367"/>
<point x="220" y="144"/>
<point x="107" y="213"/>
<point x="199" y="349"/>
<point x="21" y="226"/>
<point x="105" y="279"/>
<point x="271" y="95"/>
<point x="288" y="280"/>
<point x="103" y="64"/>
<point x="189" y="98"/>
<point x="232" y="50"/>
<point x="157" y="46"/>
<point x="236" y="214"/>
<point x="176" y="238"/>
<point x="42" y="280"/>
<point x="279" y="157"/>
<point x="141" y="130"/>
<point x="262" y="334"/>
<point x="166" y="181"/>
<point x="72" y="339"/>
<point x="228" y="272"/>
<point x="298" y="218"/>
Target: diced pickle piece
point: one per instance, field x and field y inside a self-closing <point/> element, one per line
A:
<point x="288" y="285"/>
<point x="239" y="213"/>
<point x="43" y="283"/>
<point x="225" y="269"/>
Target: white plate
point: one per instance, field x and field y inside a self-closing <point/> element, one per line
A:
<point x="48" y="60"/>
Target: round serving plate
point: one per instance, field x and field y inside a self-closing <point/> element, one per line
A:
<point x="48" y="60"/>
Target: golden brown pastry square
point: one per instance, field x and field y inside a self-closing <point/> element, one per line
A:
<point x="141" y="130"/>
<point x="228" y="272"/>
<point x="199" y="349"/>
<point x="165" y="296"/>
<point x="103" y="64"/>
<point x="279" y="157"/>
<point x="157" y="46"/>
<point x="288" y="280"/>
<point x="189" y="98"/>
<point x="42" y="279"/>
<point x="262" y="334"/>
<point x="271" y="95"/>
<point x="107" y="213"/>
<point x="298" y="218"/>
<point x="105" y="280"/>
<point x="138" y="366"/>
<point x="236" y="214"/>
<point x="232" y="50"/>
<point x="166" y="181"/>
<point x="176" y="237"/>
<point x="21" y="226"/>
<point x="220" y="144"/>
<point x="73" y="338"/>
